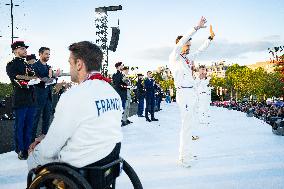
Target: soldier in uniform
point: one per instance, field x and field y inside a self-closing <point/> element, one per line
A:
<point x="31" y="59"/>
<point x="150" y="97"/>
<point x="127" y="81"/>
<point x="159" y="96"/>
<point x="140" y="95"/>
<point x="120" y="86"/>
<point x="23" y="98"/>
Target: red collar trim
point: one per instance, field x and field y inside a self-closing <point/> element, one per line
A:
<point x="99" y="77"/>
<point x="185" y="58"/>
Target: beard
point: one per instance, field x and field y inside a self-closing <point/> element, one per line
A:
<point x="74" y="77"/>
<point x="45" y="59"/>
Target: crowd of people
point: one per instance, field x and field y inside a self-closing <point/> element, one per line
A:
<point x="146" y="90"/>
<point x="266" y="111"/>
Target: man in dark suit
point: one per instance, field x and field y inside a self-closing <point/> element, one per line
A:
<point x="150" y="97"/>
<point x="120" y="86"/>
<point x="43" y="92"/>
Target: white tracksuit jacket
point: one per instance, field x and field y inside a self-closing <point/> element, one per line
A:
<point x="86" y="126"/>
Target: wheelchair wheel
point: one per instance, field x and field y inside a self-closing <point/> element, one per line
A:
<point x="53" y="181"/>
<point x="59" y="177"/>
<point x="132" y="175"/>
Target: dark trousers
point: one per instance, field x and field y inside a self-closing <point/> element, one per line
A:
<point x="23" y="127"/>
<point x="44" y="108"/>
<point x="158" y="103"/>
<point x="123" y="101"/>
<point x="150" y="106"/>
<point x="140" y="105"/>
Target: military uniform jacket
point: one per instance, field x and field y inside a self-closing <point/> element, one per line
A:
<point x="140" y="89"/>
<point x="150" y="88"/>
<point x="119" y="85"/>
<point x="23" y="95"/>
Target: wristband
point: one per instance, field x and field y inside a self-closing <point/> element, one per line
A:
<point x="210" y="38"/>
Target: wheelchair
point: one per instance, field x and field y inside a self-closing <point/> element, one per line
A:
<point x="64" y="176"/>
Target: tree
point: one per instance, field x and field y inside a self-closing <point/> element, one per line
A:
<point x="218" y="83"/>
<point x="5" y="90"/>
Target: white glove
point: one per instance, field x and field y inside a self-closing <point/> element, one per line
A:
<point x="34" y="81"/>
<point x="50" y="82"/>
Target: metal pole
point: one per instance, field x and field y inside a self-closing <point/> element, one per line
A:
<point x="12" y="21"/>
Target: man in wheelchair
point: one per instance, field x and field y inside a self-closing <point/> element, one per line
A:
<point x="86" y="129"/>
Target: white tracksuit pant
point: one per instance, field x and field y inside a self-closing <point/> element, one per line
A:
<point x="203" y="108"/>
<point x="187" y="100"/>
<point x="203" y="92"/>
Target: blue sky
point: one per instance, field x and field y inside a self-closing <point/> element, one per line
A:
<point x="244" y="29"/>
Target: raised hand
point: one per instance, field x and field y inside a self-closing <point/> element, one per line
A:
<point x="212" y="34"/>
<point x="201" y="23"/>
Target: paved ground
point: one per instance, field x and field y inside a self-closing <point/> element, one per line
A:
<point x="233" y="152"/>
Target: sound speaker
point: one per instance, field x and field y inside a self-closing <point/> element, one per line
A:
<point x="114" y="39"/>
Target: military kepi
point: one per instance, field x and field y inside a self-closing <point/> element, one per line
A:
<point x="18" y="44"/>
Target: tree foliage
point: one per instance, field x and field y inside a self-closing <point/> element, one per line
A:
<point x="5" y="90"/>
<point x="242" y="81"/>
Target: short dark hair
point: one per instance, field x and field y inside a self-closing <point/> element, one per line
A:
<point x="125" y="68"/>
<point x="202" y="66"/>
<point x="118" y="64"/>
<point x="149" y="72"/>
<point x="89" y="52"/>
<point x="30" y="57"/>
<point x="179" y="37"/>
<point x="42" y="49"/>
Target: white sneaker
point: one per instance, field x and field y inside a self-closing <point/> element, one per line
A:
<point x="195" y="137"/>
<point x="187" y="162"/>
